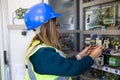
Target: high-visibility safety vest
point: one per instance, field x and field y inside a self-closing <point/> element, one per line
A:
<point x="32" y="75"/>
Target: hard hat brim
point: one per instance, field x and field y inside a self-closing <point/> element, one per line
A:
<point x="57" y="15"/>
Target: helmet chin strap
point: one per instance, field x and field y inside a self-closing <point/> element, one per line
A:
<point x="37" y="30"/>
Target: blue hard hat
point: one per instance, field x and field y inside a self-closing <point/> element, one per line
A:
<point x="38" y="15"/>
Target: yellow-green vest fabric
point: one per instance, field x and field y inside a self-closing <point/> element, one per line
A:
<point x="41" y="76"/>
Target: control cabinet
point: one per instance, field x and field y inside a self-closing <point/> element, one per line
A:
<point x="100" y="22"/>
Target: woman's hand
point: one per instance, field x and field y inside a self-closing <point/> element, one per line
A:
<point x="96" y="52"/>
<point x="83" y="53"/>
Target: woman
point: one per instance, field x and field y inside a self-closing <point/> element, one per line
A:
<point x="44" y="58"/>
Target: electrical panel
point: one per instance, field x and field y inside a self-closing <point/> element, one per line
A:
<point x="69" y="43"/>
<point x="111" y="49"/>
<point x="102" y="17"/>
<point x="101" y="24"/>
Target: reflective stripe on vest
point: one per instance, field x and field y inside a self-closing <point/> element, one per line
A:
<point x="31" y="72"/>
<point x="32" y="75"/>
<point x="62" y="78"/>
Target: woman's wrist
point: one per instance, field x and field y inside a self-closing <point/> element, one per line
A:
<point x="92" y="56"/>
<point x="78" y="57"/>
<point x="81" y="54"/>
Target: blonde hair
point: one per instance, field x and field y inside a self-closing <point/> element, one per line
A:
<point x="48" y="35"/>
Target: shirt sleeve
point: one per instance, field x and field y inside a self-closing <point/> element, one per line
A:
<point x="48" y="61"/>
<point x="72" y="58"/>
